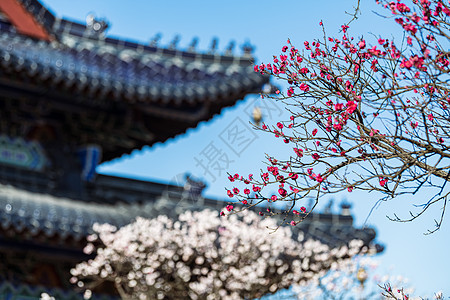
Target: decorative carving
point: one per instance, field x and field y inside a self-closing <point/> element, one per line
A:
<point x="193" y="45"/>
<point x="248" y="48"/>
<point x="230" y="48"/>
<point x="345" y="209"/>
<point x="214" y="44"/>
<point x="193" y="188"/>
<point x="96" y="26"/>
<point x="328" y="207"/>
<point x="154" y="41"/>
<point x="20" y="153"/>
<point x="173" y="45"/>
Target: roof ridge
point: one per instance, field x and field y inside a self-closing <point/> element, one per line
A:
<point x="49" y="21"/>
<point x="42" y="14"/>
<point x="78" y="29"/>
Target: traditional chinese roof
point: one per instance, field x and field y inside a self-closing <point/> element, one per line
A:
<point x="118" y="201"/>
<point x="113" y="92"/>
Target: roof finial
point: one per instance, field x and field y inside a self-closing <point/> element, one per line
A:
<point x="193" y="44"/>
<point x="248" y="48"/>
<point x="214" y="44"/>
<point x="96" y="26"/>
<point x="345" y="208"/>
<point x="193" y="188"/>
<point x="230" y="47"/>
<point x="155" y="40"/>
<point x="174" y="43"/>
<point x="329" y="206"/>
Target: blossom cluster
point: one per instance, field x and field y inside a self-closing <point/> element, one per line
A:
<point x="204" y="256"/>
<point x="364" y="116"/>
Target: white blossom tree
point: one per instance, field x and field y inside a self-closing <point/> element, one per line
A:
<point x="203" y="256"/>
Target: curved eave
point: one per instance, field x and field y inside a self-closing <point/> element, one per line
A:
<point x="127" y="151"/>
<point x="144" y="90"/>
<point x="210" y="95"/>
<point x="45" y="217"/>
<point x="60" y="219"/>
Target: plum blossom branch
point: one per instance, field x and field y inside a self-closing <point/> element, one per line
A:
<point x="368" y="117"/>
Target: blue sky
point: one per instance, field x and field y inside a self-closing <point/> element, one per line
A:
<point x="267" y="25"/>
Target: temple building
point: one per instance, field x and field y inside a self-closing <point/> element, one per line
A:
<point x="72" y="97"/>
